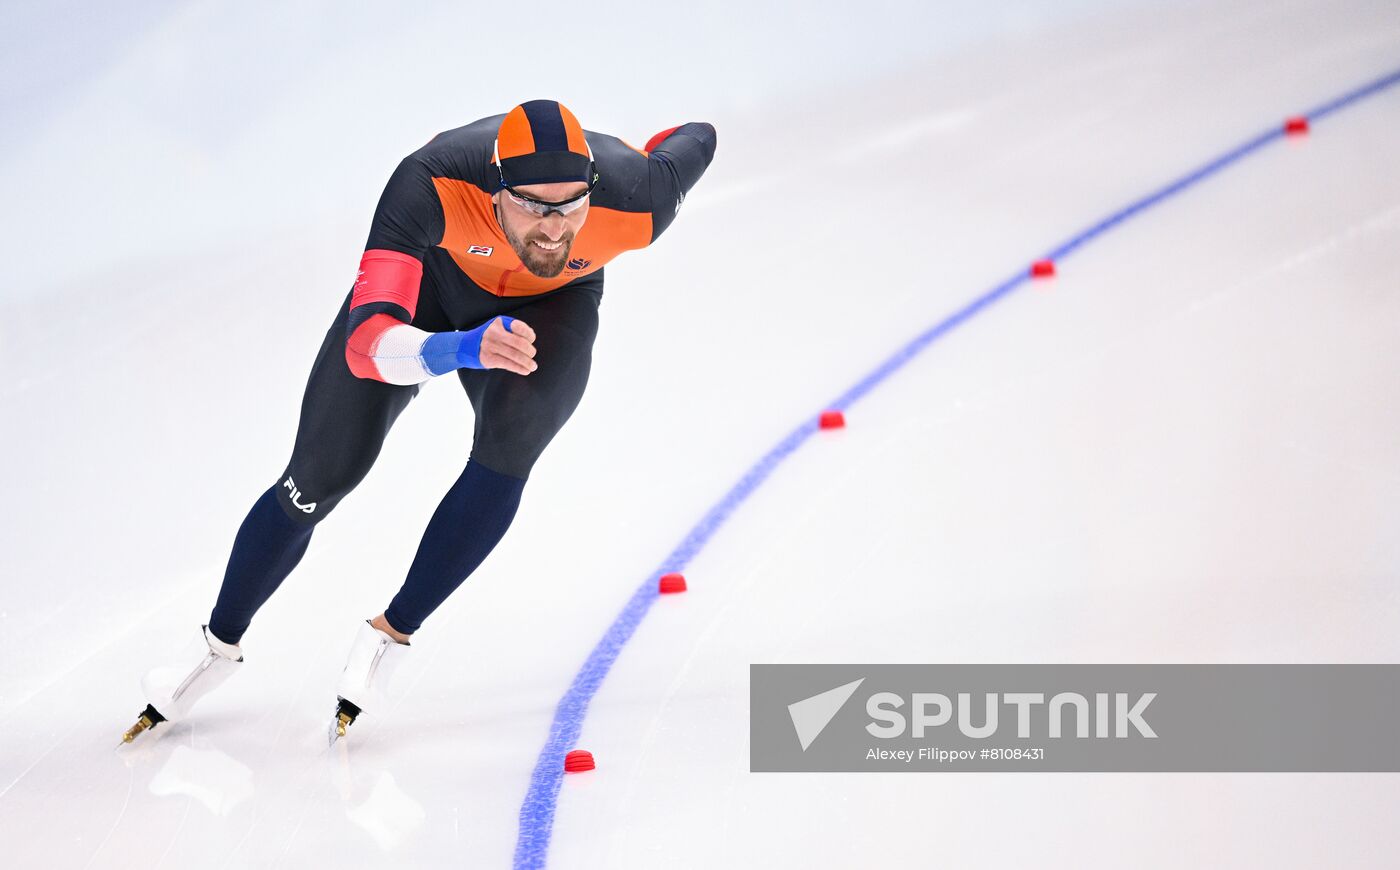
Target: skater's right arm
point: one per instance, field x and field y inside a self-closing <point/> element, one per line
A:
<point x="389" y="350"/>
<point x="380" y="343"/>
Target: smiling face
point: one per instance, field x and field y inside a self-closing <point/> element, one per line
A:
<point x="541" y="243"/>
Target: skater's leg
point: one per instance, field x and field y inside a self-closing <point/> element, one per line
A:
<point x="516" y="418"/>
<point x="466" y="527"/>
<point x="269" y="545"/>
<point x="344" y="420"/>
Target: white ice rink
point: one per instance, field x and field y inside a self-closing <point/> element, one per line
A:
<point x="1184" y="448"/>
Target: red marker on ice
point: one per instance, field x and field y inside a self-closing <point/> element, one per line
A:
<point x="578" y="760"/>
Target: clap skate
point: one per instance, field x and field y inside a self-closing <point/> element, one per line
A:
<point x="173" y="690"/>
<point x="368" y="679"/>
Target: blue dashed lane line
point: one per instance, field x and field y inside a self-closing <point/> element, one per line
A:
<point x="537" y="812"/>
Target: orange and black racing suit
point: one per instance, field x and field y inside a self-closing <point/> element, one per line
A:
<point x="438" y="261"/>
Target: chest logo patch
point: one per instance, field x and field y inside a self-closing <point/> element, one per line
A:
<point x="480" y="250"/>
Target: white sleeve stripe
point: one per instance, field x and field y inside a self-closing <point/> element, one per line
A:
<point x="398" y="355"/>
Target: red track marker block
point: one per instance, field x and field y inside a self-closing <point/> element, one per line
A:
<point x="671" y="583"/>
<point x="578" y="760"/>
<point x="1296" y="126"/>
<point x="832" y="420"/>
<point x="1043" y="269"/>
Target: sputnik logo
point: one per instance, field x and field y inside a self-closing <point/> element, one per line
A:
<point x="811" y="715"/>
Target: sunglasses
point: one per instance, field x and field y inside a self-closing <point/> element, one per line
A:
<point x="541" y="209"/>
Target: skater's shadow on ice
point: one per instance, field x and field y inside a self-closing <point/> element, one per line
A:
<point x="374" y="802"/>
<point x="212" y="778"/>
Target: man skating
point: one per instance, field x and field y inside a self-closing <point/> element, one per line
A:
<point x="485" y="257"/>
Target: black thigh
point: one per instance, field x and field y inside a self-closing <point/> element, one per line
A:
<point x="344" y="420"/>
<point x="518" y="415"/>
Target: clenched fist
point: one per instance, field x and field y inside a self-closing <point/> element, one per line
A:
<point x="510" y="349"/>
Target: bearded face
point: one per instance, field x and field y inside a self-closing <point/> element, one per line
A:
<point x="542" y="243"/>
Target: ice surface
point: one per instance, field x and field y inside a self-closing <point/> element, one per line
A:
<point x="1183" y="448"/>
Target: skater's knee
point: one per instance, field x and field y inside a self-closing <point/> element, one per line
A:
<point x="306" y="500"/>
<point x="511" y="458"/>
<point x="510" y="440"/>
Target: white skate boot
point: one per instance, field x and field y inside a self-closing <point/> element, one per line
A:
<point x="171" y="691"/>
<point x="368" y="679"/>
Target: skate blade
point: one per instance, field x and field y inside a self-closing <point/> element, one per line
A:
<point x="148" y="719"/>
<point x="338" y="727"/>
<point x="142" y="725"/>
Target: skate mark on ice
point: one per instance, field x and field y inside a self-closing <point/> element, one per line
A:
<point x="538" y="809"/>
<point x="35" y="763"/>
<point x="299" y="786"/>
<point x="130" y="785"/>
<point x="175" y="836"/>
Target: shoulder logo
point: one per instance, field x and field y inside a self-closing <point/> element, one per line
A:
<point x="480" y="250"/>
<point x="578" y="264"/>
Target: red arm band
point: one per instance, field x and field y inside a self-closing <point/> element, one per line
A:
<point x="388" y="276"/>
<point x="659" y="138"/>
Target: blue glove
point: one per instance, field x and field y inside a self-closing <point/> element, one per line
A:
<point x="447" y="351"/>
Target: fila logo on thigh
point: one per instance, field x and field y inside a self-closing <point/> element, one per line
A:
<point x="296" y="495"/>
